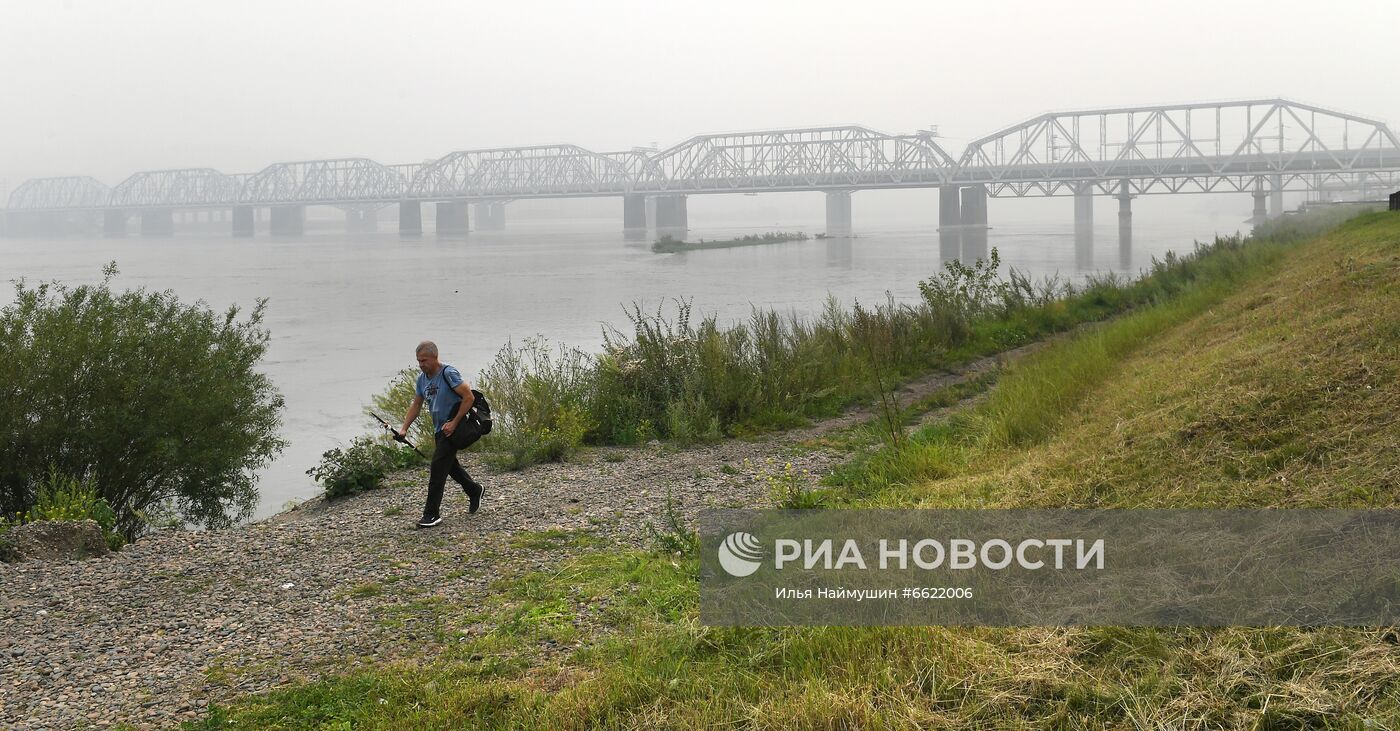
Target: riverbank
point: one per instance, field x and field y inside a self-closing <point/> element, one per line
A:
<point x="155" y="634"/>
<point x="570" y="598"/>
<point x="1278" y="390"/>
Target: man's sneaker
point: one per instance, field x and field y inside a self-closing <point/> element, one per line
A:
<point x="429" y="521"/>
<point x="473" y="490"/>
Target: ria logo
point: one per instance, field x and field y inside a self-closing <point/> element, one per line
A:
<point x="740" y="554"/>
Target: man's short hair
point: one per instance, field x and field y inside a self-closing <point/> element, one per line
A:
<point x="427" y="346"/>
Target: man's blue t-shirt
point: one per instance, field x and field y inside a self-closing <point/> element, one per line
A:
<point x="438" y="392"/>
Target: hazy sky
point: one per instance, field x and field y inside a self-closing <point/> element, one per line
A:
<point x="109" y="87"/>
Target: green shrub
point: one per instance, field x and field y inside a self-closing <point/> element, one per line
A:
<point x="539" y="403"/>
<point x="674" y="535"/>
<point x="962" y="294"/>
<point x="360" y="466"/>
<point x="160" y="404"/>
<point x="60" y="497"/>
<point x="791" y="491"/>
<point x="521" y="446"/>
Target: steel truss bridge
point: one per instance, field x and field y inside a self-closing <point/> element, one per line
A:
<point x="1262" y="147"/>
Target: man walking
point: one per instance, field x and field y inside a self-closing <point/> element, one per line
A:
<point x="449" y="398"/>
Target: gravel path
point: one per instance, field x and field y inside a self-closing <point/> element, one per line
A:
<point x="155" y="633"/>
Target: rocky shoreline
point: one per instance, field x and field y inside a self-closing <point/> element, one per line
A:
<point x="152" y="635"/>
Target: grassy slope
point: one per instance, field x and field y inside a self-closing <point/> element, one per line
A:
<point x="1281" y="390"/>
<point x="1283" y="394"/>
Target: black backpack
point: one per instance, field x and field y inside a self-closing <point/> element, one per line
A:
<point x="475" y="425"/>
<point x="480" y="412"/>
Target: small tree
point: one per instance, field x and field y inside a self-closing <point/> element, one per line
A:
<point x="159" y="403"/>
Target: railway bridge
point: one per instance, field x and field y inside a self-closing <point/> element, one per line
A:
<point x="1258" y="147"/>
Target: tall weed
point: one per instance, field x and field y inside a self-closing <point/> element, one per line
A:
<point x="62" y="497"/>
<point x="539" y="402"/>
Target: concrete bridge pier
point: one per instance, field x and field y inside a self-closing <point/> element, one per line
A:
<point x="1261" y="212"/>
<point x="634" y="212"/>
<point x="973" y="211"/>
<point x="287" y="220"/>
<point x="451" y="217"/>
<point x="949" y="223"/>
<point x="410" y="218"/>
<point x="1083" y="226"/>
<point x="158" y="222"/>
<point x="838" y="213"/>
<point x="949" y="207"/>
<point x="672" y="218"/>
<point x="1083" y="209"/>
<point x="244" y="221"/>
<point x="491" y="216"/>
<point x="1125" y="226"/>
<point x="1125" y="213"/>
<point x="973" y="231"/>
<point x="114" y="224"/>
<point x="1275" y="195"/>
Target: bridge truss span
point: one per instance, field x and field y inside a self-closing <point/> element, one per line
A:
<point x="815" y="158"/>
<point x="525" y="172"/>
<point x="74" y="192"/>
<point x="1184" y="148"/>
<point x="185" y="188"/>
<point x="342" y="181"/>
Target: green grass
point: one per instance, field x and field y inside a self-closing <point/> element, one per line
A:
<point x="474" y="680"/>
<point x="366" y="590"/>
<point x="1268" y="377"/>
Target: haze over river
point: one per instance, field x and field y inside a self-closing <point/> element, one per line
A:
<point x="345" y="310"/>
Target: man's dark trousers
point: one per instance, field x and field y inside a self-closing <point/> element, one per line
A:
<point x="444" y="463"/>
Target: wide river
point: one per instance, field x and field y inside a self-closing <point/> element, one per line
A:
<point x="345" y="310"/>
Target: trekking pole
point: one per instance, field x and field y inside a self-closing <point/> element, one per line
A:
<point x="397" y="436"/>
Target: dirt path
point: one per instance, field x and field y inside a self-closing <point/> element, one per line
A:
<point x="155" y="633"/>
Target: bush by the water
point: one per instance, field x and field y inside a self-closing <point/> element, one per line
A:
<point x="157" y="403"/>
<point x="540" y="402"/>
<point x="60" y="497"/>
<point x="360" y="466"/>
